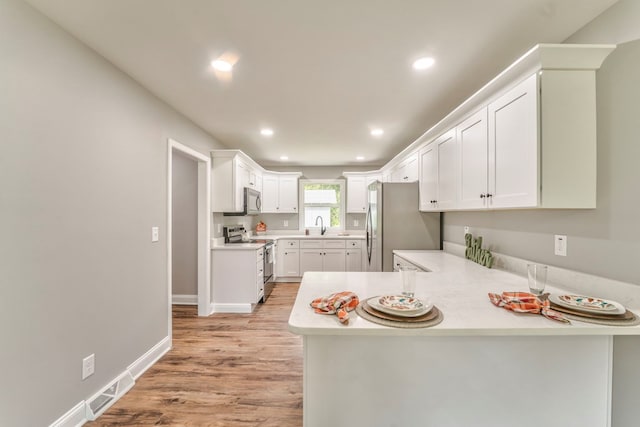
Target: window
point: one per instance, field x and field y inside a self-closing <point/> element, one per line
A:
<point x="325" y="199"/>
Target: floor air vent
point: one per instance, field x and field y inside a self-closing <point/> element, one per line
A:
<point x="101" y="401"/>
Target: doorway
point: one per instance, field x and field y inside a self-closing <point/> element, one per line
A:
<point x="203" y="225"/>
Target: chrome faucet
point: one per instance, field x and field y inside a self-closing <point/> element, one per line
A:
<point x="323" y="229"/>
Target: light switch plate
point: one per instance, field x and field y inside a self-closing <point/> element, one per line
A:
<point x="155" y="234"/>
<point x="88" y="366"/>
<point x="285" y="223"/>
<point x="356" y="222"/>
<point x="560" y="245"/>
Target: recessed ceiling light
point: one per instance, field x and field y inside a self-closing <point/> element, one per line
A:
<point x="360" y="158"/>
<point x="266" y="132"/>
<point x="377" y="132"/>
<point x="284" y="158"/>
<point x="221" y="65"/>
<point x="423" y="63"/>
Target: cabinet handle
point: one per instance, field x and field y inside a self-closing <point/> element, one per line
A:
<point x="489" y="195"/>
<point x="405" y="178"/>
<point x="482" y="196"/>
<point x="294" y="208"/>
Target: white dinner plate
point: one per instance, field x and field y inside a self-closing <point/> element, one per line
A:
<point x="587" y="304"/>
<point x="411" y="309"/>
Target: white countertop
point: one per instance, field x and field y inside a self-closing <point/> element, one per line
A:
<point x="458" y="287"/>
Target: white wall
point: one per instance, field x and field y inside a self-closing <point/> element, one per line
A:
<point x="83" y="178"/>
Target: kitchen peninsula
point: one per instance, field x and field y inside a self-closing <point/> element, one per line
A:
<point x="482" y="366"/>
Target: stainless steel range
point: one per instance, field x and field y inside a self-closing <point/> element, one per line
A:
<point x="238" y="234"/>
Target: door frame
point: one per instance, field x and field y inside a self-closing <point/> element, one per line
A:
<point x="203" y="225"/>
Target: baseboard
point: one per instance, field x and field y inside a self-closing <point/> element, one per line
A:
<point x="232" y="308"/>
<point x="179" y="299"/>
<point x="147" y="360"/>
<point x="75" y="417"/>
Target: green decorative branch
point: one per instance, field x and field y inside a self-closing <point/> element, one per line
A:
<point x="475" y="253"/>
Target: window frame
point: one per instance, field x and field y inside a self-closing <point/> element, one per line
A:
<point x="342" y="214"/>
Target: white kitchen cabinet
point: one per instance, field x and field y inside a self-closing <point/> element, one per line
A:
<point x="353" y="259"/>
<point x="356" y="194"/>
<point x="406" y="171"/>
<point x="280" y="193"/>
<point x="513" y="157"/>
<point x="438" y="173"/>
<point x="236" y="290"/>
<point x="357" y="185"/>
<point x="501" y="147"/>
<point x="322" y="255"/>
<point x="229" y="175"/>
<point x="473" y="142"/>
<point x="288" y="258"/>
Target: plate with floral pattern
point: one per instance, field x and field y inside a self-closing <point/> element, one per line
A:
<point x="588" y="304"/>
<point x="400" y="305"/>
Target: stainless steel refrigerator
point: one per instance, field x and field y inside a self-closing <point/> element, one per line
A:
<point x="394" y="222"/>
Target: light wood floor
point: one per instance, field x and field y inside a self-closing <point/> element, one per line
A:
<point x="224" y="370"/>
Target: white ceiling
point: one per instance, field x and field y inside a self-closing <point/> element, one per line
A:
<point x="321" y="73"/>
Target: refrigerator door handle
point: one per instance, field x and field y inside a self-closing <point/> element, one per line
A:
<point x="368" y="227"/>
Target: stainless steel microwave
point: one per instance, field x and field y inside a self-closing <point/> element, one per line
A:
<point x="252" y="203"/>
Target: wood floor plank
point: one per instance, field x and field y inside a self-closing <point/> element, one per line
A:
<point x="226" y="370"/>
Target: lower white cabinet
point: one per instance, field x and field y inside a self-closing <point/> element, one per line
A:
<point x="288" y="258"/>
<point x="297" y="256"/>
<point x="322" y="255"/>
<point x="236" y="290"/>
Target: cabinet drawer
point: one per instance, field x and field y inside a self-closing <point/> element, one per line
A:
<point x="334" y="244"/>
<point x="354" y="244"/>
<point x="289" y="243"/>
<point x="310" y="244"/>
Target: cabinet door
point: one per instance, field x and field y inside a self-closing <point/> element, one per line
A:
<point x="353" y="260"/>
<point x="311" y="260"/>
<point x="290" y="263"/>
<point x="288" y="194"/>
<point x="513" y="148"/>
<point x="411" y="169"/>
<point x="270" y="184"/>
<point x="356" y="194"/>
<point x="397" y="174"/>
<point x="333" y="260"/>
<point x="428" y="177"/>
<point x="447" y="148"/>
<point x="473" y="144"/>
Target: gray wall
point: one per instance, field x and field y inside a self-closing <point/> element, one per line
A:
<point x="83" y="175"/>
<point x="604" y="241"/>
<point x="184" y="229"/>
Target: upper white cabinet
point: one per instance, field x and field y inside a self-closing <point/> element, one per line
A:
<point x="356" y="194"/>
<point x="527" y="139"/>
<point x="438" y="173"/>
<point x="473" y="146"/>
<point x="230" y="173"/>
<point x="280" y="192"/>
<point x="406" y="171"/>
<point x="357" y="184"/>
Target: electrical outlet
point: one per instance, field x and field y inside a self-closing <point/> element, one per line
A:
<point x="356" y="223"/>
<point x="285" y="223"/>
<point x="88" y="366"/>
<point x="560" y="246"/>
<point x="219" y="228"/>
<point x="155" y="234"/>
<point x="466" y="230"/>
